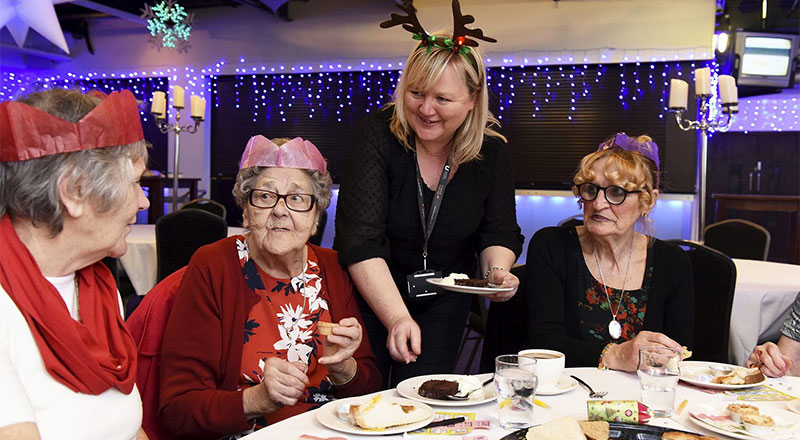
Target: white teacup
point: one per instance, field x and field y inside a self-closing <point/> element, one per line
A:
<point x="549" y="365"/>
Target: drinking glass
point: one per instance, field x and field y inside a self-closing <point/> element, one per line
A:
<point x="515" y="386"/>
<point x="658" y="378"/>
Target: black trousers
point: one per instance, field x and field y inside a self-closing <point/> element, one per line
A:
<point x="441" y="321"/>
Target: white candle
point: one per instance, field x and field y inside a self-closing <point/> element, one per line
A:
<point x="177" y="97"/>
<point x="702" y="81"/>
<point x="678" y="94"/>
<point x="727" y="90"/>
<point x="159" y="103"/>
<point x="198" y="105"/>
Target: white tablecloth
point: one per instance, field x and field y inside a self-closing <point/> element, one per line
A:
<point x="620" y="386"/>
<point x="764" y="293"/>
<point x="140" y="262"/>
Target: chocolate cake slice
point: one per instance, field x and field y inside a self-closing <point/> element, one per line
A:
<point x="438" y="389"/>
<point x="471" y="282"/>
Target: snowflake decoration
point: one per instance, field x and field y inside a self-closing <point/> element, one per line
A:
<point x="169" y="25"/>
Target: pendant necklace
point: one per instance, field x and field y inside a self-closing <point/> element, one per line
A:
<point x="614" y="327"/>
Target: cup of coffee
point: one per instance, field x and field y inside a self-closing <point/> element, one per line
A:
<point x="549" y="365"/>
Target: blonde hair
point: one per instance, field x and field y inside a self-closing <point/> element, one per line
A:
<point x="424" y="67"/>
<point x="628" y="169"/>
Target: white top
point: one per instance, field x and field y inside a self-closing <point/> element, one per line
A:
<point x="30" y="394"/>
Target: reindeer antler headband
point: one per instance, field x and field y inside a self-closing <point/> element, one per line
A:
<point x="458" y="44"/>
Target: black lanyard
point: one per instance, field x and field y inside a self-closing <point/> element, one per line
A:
<point x="427" y="228"/>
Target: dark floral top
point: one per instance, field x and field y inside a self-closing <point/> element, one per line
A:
<point x="594" y="312"/>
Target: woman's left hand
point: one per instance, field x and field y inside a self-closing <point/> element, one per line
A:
<point x="503" y="278"/>
<point x="341" y="345"/>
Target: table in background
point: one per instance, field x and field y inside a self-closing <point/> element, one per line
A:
<point x="141" y="261"/>
<point x="764" y="292"/>
<point x="758" y="202"/>
<point x="155" y="192"/>
<point x="620" y="386"/>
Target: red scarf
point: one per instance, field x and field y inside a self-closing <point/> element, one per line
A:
<point x="88" y="357"/>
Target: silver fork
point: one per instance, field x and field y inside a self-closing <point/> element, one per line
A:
<point x="592" y="393"/>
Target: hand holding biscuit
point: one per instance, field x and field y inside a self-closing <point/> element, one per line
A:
<point x="340" y="343"/>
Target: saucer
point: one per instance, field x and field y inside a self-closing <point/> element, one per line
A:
<point x="565" y="383"/>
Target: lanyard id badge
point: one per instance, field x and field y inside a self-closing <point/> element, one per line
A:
<point x="417" y="286"/>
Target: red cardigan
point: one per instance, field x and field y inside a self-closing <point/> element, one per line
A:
<point x="204" y="338"/>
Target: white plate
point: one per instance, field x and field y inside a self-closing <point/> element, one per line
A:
<point x="698" y="414"/>
<point x="328" y="416"/>
<point x="698" y="373"/>
<point x="794" y="405"/>
<point x="408" y="388"/>
<point x="468" y="289"/>
<point x="565" y="383"/>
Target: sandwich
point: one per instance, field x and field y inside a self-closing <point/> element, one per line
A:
<point x="565" y="428"/>
<point x="379" y="413"/>
<point x="596" y="430"/>
<point x="740" y="376"/>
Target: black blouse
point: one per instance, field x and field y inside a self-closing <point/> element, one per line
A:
<point x="377" y="213"/>
<point x="569" y="311"/>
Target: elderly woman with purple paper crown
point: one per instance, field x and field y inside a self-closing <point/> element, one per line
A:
<point x="599" y="291"/>
<point x="244" y="345"/>
<point x="70" y="165"/>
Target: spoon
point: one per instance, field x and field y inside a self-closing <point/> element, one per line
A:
<point x="466" y="397"/>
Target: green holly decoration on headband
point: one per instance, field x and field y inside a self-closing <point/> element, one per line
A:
<point x="458" y="44"/>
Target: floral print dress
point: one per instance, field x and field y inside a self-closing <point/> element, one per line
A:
<point x="594" y="312"/>
<point x="284" y="325"/>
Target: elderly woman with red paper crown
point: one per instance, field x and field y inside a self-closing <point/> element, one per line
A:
<point x="600" y="291"/>
<point x="247" y="346"/>
<point x="69" y="189"/>
<point x="427" y="192"/>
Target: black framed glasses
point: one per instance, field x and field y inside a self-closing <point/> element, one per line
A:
<point x="298" y="202"/>
<point x="614" y="195"/>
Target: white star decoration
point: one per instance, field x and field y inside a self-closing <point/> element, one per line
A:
<point x="20" y="15"/>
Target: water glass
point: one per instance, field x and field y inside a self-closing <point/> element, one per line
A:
<point x="658" y="378"/>
<point x="515" y="387"/>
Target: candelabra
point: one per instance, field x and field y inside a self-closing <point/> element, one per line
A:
<point x="159" y="110"/>
<point x="706" y="122"/>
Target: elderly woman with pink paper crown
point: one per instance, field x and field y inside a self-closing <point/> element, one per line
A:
<point x="70" y="165"/>
<point x="244" y="344"/>
<point x="600" y="291"/>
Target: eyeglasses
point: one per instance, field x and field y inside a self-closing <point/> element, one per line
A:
<point x="615" y="195"/>
<point x="298" y="202"/>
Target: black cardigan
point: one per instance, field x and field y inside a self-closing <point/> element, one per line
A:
<point x="556" y="280"/>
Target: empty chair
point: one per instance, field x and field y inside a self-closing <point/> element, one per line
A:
<point x="147" y="326"/>
<point x="180" y="234"/>
<point x="714" y="276"/>
<point x="738" y="238"/>
<point x="474" y="331"/>
<point x="506" y="325"/>
<point x="575" y="220"/>
<point x="208" y="205"/>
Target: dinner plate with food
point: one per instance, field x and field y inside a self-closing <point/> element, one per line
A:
<point x="374" y="415"/>
<point x="448" y="389"/>
<point x="462" y="283"/>
<point x="720" y="376"/>
<point x="568" y="428"/>
<point x="744" y="421"/>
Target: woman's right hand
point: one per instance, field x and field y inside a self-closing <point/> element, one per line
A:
<point x="769" y="359"/>
<point x="282" y="385"/>
<point x="404" y="341"/>
<point x="625" y="356"/>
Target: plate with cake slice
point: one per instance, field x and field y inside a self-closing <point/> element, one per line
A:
<point x="720" y="376"/>
<point x="374" y="415"/>
<point x="459" y="282"/>
<point x="433" y="389"/>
